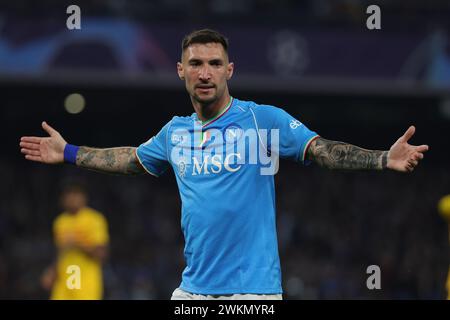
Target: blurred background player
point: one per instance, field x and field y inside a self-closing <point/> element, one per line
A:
<point x="81" y="237"/>
<point x="444" y="210"/>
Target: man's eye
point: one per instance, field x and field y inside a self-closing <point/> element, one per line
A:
<point x="194" y="64"/>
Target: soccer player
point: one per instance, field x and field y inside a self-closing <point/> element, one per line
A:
<point x="444" y="211"/>
<point x="81" y="238"/>
<point x="224" y="157"/>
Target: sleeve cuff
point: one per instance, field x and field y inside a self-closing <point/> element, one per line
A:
<point x="305" y="150"/>
<point x="143" y="166"/>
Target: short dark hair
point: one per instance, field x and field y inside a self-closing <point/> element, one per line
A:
<point x="204" y="36"/>
<point x="74" y="187"/>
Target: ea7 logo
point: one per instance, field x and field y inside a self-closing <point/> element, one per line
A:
<point x="294" y="124"/>
<point x="178" y="138"/>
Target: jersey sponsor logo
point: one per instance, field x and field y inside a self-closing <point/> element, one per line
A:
<point x="214" y="151"/>
<point x="294" y="124"/>
<point x="213" y="164"/>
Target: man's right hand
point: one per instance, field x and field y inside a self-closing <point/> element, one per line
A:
<point x="44" y="149"/>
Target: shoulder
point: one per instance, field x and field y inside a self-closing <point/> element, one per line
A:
<point x="91" y="214"/>
<point x="257" y="108"/>
<point x="265" y="115"/>
<point x="176" y="122"/>
<point x="179" y="122"/>
<point x="63" y="216"/>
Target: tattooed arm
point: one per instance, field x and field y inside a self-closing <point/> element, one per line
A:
<point x="121" y="160"/>
<point x="339" y="155"/>
<point x="51" y="150"/>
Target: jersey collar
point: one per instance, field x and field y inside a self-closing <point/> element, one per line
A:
<point x="219" y="115"/>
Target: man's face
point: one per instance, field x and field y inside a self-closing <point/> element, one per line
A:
<point x="205" y="69"/>
<point x="73" y="201"/>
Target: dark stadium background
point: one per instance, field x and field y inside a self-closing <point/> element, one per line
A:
<point x="331" y="225"/>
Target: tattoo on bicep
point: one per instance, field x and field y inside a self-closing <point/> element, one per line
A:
<point x="115" y="160"/>
<point x="340" y="155"/>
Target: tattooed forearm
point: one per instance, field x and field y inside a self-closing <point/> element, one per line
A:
<point x="340" y="155"/>
<point x="115" y="160"/>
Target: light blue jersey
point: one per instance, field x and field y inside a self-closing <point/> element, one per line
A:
<point x="225" y="173"/>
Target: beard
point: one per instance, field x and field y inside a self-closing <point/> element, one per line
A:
<point x="205" y="99"/>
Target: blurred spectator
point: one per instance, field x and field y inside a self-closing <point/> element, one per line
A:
<point x="81" y="237"/>
<point x="331" y="227"/>
<point x="444" y="210"/>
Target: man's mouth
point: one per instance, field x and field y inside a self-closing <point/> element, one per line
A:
<point x="204" y="86"/>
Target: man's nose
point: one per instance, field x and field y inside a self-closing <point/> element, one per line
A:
<point x="205" y="73"/>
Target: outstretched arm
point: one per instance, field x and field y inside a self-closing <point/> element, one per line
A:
<point x="122" y="160"/>
<point x="50" y="150"/>
<point x="339" y="155"/>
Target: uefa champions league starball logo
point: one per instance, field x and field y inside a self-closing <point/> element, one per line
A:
<point x="182" y="168"/>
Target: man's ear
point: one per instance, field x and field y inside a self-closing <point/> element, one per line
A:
<point x="230" y="70"/>
<point x="180" y="70"/>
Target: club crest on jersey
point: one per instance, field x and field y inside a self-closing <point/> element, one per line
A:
<point x="233" y="133"/>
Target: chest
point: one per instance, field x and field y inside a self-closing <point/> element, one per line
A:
<point x="73" y="228"/>
<point x="226" y="148"/>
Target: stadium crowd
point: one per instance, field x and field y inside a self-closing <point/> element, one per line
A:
<point x="331" y="227"/>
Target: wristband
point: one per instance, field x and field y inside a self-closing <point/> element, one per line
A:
<point x="70" y="153"/>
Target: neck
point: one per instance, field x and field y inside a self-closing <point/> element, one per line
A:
<point x="207" y="111"/>
<point x="74" y="210"/>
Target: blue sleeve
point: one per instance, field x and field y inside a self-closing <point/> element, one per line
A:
<point x="153" y="154"/>
<point x="294" y="137"/>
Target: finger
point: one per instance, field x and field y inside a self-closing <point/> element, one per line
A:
<point x="413" y="163"/>
<point x="33" y="146"/>
<point x="408" y="134"/>
<point x="418" y="156"/>
<point x="30" y="152"/>
<point x="49" y="129"/>
<point x="33" y="158"/>
<point x="31" y="139"/>
<point x="422" y="148"/>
